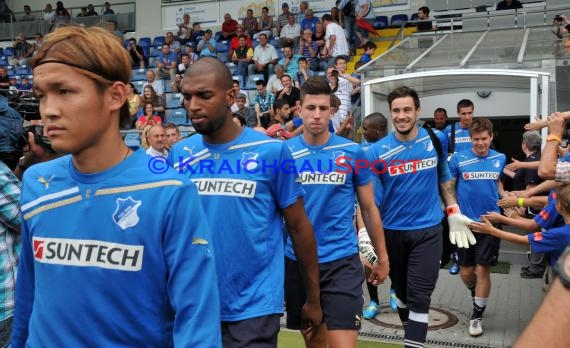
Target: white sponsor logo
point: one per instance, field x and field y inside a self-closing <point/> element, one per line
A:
<point x="411" y="166"/>
<point x="310" y="178"/>
<point x="88" y="253"/>
<point x="480" y="176"/>
<point x="463" y="140"/>
<point x="226" y="187"/>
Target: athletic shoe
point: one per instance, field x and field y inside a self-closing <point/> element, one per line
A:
<point x="454" y="269"/>
<point x="475" y="327"/>
<point x="393" y="302"/>
<point x="530" y="274"/>
<point x="371" y="311"/>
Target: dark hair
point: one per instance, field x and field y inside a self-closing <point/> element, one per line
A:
<point x="481" y="124"/>
<point x="327" y="17"/>
<point x="377" y="120"/>
<point x="563" y="197"/>
<point x="184" y="55"/>
<point x="278" y="104"/>
<point x="265" y="8"/>
<point x="335" y="101"/>
<point x="402" y="92"/>
<point x="440" y="110"/>
<point x="171" y="125"/>
<point x="315" y="86"/>
<point x="262" y="34"/>
<point x="370" y="45"/>
<point x="304" y="59"/>
<point x="235" y="81"/>
<point x="424" y="9"/>
<point x="464" y="103"/>
<point x="337" y="58"/>
<point x="240" y="118"/>
<point x="260" y="83"/>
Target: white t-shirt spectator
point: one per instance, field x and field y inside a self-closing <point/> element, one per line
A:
<point x="340" y="47"/>
<point x="291" y="31"/>
<point x="265" y="54"/>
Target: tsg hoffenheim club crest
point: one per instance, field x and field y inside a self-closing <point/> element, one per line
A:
<point x="337" y="156"/>
<point x="125" y="214"/>
<point x="249" y="160"/>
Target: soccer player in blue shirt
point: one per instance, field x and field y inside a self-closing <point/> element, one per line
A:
<point x="246" y="195"/>
<point x="476" y="173"/>
<point x="327" y="168"/>
<point x="410" y="169"/>
<point x="460" y="140"/>
<point x="112" y="254"/>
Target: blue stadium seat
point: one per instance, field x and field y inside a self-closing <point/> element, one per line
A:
<point x="173" y="100"/>
<point x="231" y="67"/>
<point x="126" y="43"/>
<point x="177" y="116"/>
<point x="154" y="52"/>
<point x="1" y="51"/>
<point x="144" y="42"/>
<point x="279" y="53"/>
<point x="275" y="43"/>
<point x="158" y="41"/>
<point x="380" y="22"/>
<point x="252" y="79"/>
<point x="22" y="70"/>
<point x="146" y="50"/>
<point x="217" y="36"/>
<point x="240" y="79"/>
<point x="414" y="17"/>
<point x="139" y="85"/>
<point x="138" y="74"/>
<point x="398" y="19"/>
<point x="9" y="51"/>
<point x="132" y="140"/>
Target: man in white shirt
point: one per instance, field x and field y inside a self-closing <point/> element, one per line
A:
<point x="264" y="58"/>
<point x="290" y="33"/>
<point x="157" y="85"/>
<point x="335" y="38"/>
<point x="155" y="137"/>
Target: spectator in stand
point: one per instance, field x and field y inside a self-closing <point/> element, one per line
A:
<point x="107" y="10"/>
<point x="363" y="11"/>
<point x="290" y="61"/>
<point x="11" y="130"/>
<point x="6" y="15"/>
<point x="283" y="18"/>
<point x="242" y="56"/>
<point x="561" y="26"/>
<point x="440" y="119"/>
<point x="188" y="49"/>
<point x="157" y="85"/>
<point x="237" y="91"/>
<point x="172" y="135"/>
<point x="342" y="89"/>
<point x="335" y="14"/>
<point x="303" y="6"/>
<point x="197" y="34"/>
<point x="83" y="12"/>
<point x="157" y="101"/>
<point x="310" y="21"/>
<point x="156" y="137"/>
<point x="166" y="63"/>
<point x="207" y="46"/>
<point x="274" y="83"/>
<point x="39" y="38"/>
<point x="249" y="23"/>
<point x="245" y="111"/>
<point x="24" y="85"/>
<point x="265" y="22"/>
<point x="426" y="23"/>
<point x="61" y="13"/>
<point x="304" y="72"/>
<point x="319" y="36"/>
<point x="369" y="48"/>
<point x="49" y="16"/>
<point x="184" y="29"/>
<point x="136" y="53"/>
<point x="148" y="118"/>
<point x="135" y="103"/>
<point x="509" y="5"/>
<point x="348" y="20"/>
<point x="174" y="44"/>
<point x="185" y="62"/>
<point x="309" y="49"/>
<point x="91" y="10"/>
<point x="229" y="27"/>
<point x="234" y="43"/>
<point x="335" y="38"/>
<point x="290" y="94"/>
<point x="263" y="103"/>
<point x="22" y="51"/>
<point x="113" y="27"/>
<point x="28" y="16"/>
<point x="290" y="33"/>
<point x="4" y="79"/>
<point x="264" y="58"/>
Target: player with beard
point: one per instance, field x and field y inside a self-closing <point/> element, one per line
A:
<point x="410" y="169"/>
<point x="246" y="201"/>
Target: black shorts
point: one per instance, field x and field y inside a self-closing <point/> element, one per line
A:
<point x="259" y="332"/>
<point x="341" y="293"/>
<point x="485" y="252"/>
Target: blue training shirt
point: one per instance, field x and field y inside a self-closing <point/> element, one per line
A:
<point x="378" y="190"/>
<point x="116" y="258"/>
<point x="462" y="137"/>
<point x="329" y="178"/>
<point x="553" y="242"/>
<point x="243" y="188"/>
<point x="549" y="217"/>
<point x="410" y="175"/>
<point x="477" y="181"/>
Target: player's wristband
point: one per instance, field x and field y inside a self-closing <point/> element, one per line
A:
<point x="552" y="137"/>
<point x="520" y="202"/>
<point x="452" y="209"/>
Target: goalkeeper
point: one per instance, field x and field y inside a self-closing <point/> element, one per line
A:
<point x="477" y="174"/>
<point x="410" y="163"/>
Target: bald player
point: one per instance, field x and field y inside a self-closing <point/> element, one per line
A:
<point x="243" y="177"/>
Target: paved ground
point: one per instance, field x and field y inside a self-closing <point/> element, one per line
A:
<point x="512" y="303"/>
